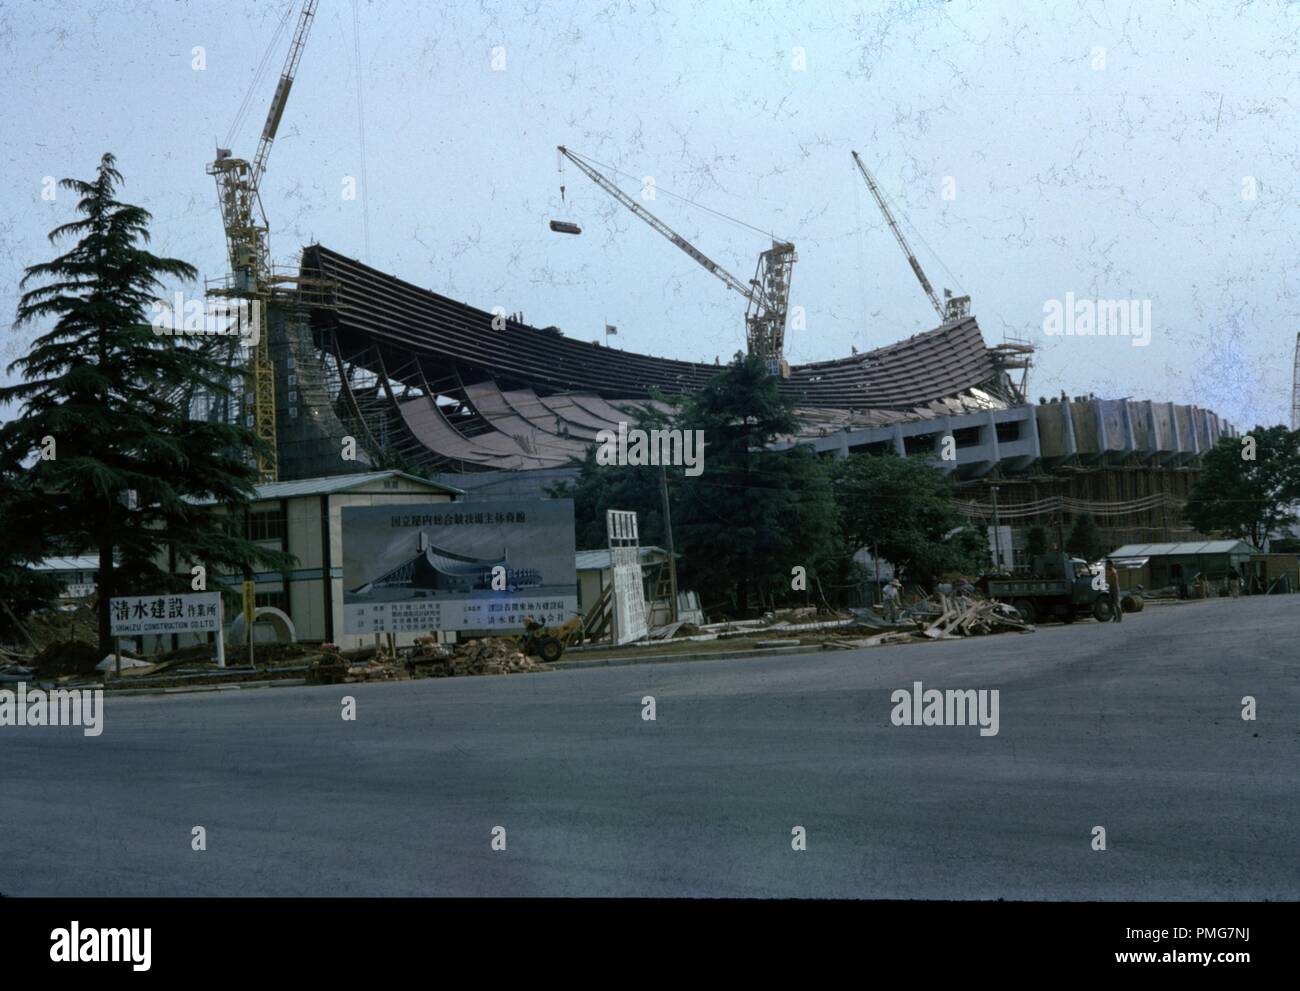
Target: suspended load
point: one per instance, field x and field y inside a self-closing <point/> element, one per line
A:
<point x="564" y="227"/>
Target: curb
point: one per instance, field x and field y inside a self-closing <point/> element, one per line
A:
<point x="189" y="690"/>
<point x="714" y="655"/>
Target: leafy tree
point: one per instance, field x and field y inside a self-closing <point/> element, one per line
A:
<point x="905" y="510"/>
<point x="1085" y="539"/>
<point x="1249" y="498"/>
<point x="128" y="466"/>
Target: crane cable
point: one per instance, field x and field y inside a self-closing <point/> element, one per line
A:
<point x="259" y="75"/>
<point x="677" y="196"/>
<point x="361" y="127"/>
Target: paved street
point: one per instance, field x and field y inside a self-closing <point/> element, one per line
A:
<point x="1135" y="727"/>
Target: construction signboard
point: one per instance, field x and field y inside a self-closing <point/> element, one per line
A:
<point x="137" y="615"/>
<point x="458" y="566"/>
<point x="625" y="560"/>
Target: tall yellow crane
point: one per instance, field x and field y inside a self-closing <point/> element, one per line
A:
<point x="246" y="227"/>
<point x="1295" y="388"/>
<point x="767" y="293"/>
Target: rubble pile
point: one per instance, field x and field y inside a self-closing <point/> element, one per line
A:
<point x="971" y="617"/>
<point x="67" y="657"/>
<point x="490" y="655"/>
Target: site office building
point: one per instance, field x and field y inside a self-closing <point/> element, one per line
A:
<point x="305" y="519"/>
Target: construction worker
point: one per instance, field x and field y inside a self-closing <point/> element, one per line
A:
<point x="890" y="595"/>
<point x="1112" y="581"/>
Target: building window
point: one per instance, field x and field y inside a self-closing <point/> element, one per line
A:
<point x="273" y="600"/>
<point x="266" y="526"/>
<point x="293" y="412"/>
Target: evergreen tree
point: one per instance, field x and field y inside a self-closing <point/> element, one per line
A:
<point x="1036" y="541"/>
<point x="753" y="514"/>
<point x="1085" y="539"/>
<point x="119" y="467"/>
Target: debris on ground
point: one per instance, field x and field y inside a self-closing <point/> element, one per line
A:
<point x="969" y="617"/>
<point x="489" y="655"/>
<point x="66" y="657"/>
<point x="110" y="663"/>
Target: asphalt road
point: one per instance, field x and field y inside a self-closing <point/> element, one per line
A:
<point x="1135" y="727"/>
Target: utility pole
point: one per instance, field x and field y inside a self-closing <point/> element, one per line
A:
<point x="997" y="540"/>
<point x="1060" y="523"/>
<point x="668" y="539"/>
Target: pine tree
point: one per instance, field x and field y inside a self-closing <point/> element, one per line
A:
<point x="1085" y="539"/>
<point x="753" y="514"/>
<point x="119" y="466"/>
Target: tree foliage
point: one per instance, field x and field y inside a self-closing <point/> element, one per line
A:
<point x="1085" y="539"/>
<point x="904" y="510"/>
<point x="748" y="519"/>
<point x="1248" y="498"/>
<point x="129" y="465"/>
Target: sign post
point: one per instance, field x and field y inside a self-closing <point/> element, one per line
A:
<point x="221" y="632"/>
<point x="249" y="611"/>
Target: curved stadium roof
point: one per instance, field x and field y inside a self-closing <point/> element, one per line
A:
<point x="452" y="392"/>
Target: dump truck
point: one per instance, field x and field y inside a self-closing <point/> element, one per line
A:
<point x="1057" y="586"/>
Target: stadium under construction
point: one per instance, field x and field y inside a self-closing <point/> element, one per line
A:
<point x="428" y="383"/>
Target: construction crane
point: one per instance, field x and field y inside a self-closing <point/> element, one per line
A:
<point x="767" y="294"/>
<point x="246" y="227"/>
<point x="953" y="307"/>
<point x="1295" y="388"/>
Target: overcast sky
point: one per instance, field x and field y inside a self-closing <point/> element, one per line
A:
<point x="1109" y="149"/>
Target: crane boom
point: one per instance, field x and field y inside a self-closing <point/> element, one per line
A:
<point x="600" y="180"/>
<point x="902" y="241"/>
<point x="767" y="294"/>
<point x="282" y="88"/>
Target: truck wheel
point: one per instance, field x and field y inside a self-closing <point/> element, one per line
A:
<point x="550" y="649"/>
<point x="1026" y="609"/>
<point x="1101" y="611"/>
<point x="1069" y="616"/>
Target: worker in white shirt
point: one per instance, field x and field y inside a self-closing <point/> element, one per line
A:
<point x="890" y="594"/>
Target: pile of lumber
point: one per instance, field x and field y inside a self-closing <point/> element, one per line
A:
<point x="941" y="617"/>
<point x="970" y="617"/>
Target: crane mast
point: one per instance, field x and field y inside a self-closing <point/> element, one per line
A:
<point x="1295" y="388"/>
<point x="957" y="307"/>
<point x="767" y="294"/>
<point x="247" y="246"/>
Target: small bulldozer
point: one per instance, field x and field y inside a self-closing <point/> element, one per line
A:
<point x="549" y="643"/>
